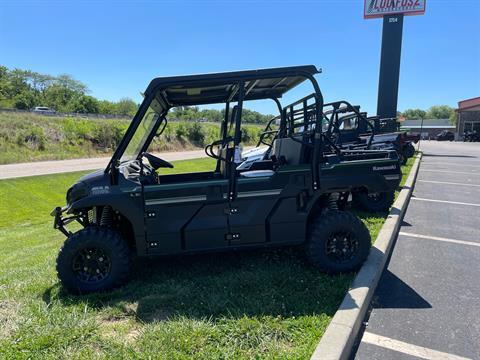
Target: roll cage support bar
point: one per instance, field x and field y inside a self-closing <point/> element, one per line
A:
<point x="335" y="121"/>
<point x="289" y="126"/>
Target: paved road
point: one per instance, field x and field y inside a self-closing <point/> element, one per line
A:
<point x="427" y="305"/>
<point x="61" y="166"/>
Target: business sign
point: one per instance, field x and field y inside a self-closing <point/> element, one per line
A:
<point x="379" y="8"/>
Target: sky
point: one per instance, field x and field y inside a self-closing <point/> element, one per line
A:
<point x="117" y="47"/>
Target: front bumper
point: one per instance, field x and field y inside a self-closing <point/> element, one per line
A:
<point x="60" y="222"/>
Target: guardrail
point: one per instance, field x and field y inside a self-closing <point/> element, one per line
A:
<point x="108" y="116"/>
<point x="76" y="115"/>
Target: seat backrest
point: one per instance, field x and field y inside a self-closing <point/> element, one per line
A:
<point x="225" y="153"/>
<point x="288" y="150"/>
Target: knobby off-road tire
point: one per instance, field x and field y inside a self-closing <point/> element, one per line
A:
<point x="409" y="151"/>
<point x="93" y="259"/>
<point x="337" y="242"/>
<point x="374" y="202"/>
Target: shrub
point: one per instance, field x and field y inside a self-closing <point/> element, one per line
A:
<point x="33" y="138"/>
<point x="78" y="130"/>
<point x="108" y="135"/>
<point x="181" y="131"/>
<point x="196" y="134"/>
<point x="250" y="134"/>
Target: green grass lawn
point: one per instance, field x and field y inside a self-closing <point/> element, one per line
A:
<point x="266" y="304"/>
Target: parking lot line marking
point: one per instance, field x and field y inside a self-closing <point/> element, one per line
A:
<point x="438" y="238"/>
<point x="408" y="349"/>
<point x="447" y="183"/>
<point x="449" y="164"/>
<point x="444" y="201"/>
<point x="450" y="172"/>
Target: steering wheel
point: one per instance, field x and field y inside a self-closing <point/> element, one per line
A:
<point x="156" y="162"/>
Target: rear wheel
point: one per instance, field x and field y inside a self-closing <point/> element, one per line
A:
<point x="93" y="259"/>
<point x="338" y="241"/>
<point x="409" y="151"/>
<point x="373" y="202"/>
<point x="402" y="160"/>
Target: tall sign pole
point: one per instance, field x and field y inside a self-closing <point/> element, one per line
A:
<point x="392" y="12"/>
<point x="390" y="66"/>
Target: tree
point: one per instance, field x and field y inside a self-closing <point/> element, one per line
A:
<point x="68" y="82"/>
<point x="84" y="104"/>
<point x="58" y="97"/>
<point x="126" y="106"/>
<point x="255" y="117"/>
<point x="38" y="82"/>
<point x="453" y="118"/>
<point x="414" y="114"/>
<point x="440" y="112"/>
<point x="25" y="89"/>
<point x="24" y="101"/>
<point x="106" y="107"/>
<point x="4" y="83"/>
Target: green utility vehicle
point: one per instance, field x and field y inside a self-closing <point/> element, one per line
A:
<point x="291" y="198"/>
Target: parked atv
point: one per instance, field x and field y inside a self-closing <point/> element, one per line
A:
<point x="445" y="135"/>
<point x="129" y="209"/>
<point x="471" y="136"/>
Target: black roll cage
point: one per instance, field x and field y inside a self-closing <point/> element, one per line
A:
<point x="342" y="106"/>
<point x="156" y="90"/>
<point x="291" y="119"/>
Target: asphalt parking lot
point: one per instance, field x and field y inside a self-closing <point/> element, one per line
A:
<point x="427" y="304"/>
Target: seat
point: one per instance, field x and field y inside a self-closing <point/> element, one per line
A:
<point x="262" y="165"/>
<point x="225" y="153"/>
<point x="288" y="150"/>
<point x="257" y="173"/>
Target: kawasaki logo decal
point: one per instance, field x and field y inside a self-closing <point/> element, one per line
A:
<point x="380" y="168"/>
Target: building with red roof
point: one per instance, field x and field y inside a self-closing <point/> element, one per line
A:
<point x="468" y="115"/>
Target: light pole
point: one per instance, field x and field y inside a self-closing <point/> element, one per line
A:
<point x="421" y="132"/>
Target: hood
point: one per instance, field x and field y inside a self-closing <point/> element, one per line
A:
<point x="92" y="177"/>
<point x="84" y="185"/>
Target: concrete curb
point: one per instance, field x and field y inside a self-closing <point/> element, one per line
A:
<point x="338" y="340"/>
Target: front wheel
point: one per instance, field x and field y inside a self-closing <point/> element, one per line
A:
<point x="93" y="259"/>
<point x="337" y="242"/>
<point x="373" y="202"/>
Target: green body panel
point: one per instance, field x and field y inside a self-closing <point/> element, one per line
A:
<point x="193" y="216"/>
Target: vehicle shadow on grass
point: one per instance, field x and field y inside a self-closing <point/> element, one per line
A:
<point x="233" y="285"/>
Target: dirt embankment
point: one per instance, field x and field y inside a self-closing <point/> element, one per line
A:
<point x="31" y="137"/>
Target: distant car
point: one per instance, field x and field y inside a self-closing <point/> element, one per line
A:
<point x="44" y="110"/>
<point x="446" y="135"/>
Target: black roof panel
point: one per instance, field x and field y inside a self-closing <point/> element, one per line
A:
<point x="221" y="87"/>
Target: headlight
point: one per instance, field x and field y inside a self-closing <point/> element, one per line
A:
<point x="76" y="192"/>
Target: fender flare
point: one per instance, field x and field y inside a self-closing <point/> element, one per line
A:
<point x="131" y="208"/>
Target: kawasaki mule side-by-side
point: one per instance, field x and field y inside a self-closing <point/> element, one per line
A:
<point x="129" y="209"/>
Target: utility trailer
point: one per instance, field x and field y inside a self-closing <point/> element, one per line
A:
<point x="129" y="209"/>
